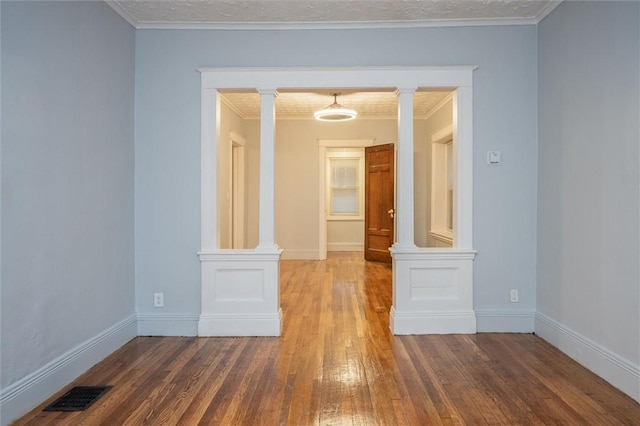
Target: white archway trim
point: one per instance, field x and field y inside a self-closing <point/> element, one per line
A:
<point x="432" y="288"/>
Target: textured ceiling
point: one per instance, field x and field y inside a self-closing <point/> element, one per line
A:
<point x="331" y="13"/>
<point x="301" y="105"/>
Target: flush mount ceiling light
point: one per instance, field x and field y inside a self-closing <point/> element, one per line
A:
<point x="335" y="112"/>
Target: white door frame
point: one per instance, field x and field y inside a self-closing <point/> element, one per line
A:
<point x="432" y="288"/>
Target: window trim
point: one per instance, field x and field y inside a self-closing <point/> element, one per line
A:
<point x="439" y="174"/>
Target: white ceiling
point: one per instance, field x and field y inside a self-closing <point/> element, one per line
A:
<point x="319" y="14"/>
<point x="262" y="14"/>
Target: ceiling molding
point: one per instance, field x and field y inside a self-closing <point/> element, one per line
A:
<point x="122" y="12"/>
<point x="249" y="26"/>
<point x="439" y="105"/>
<point x="233" y="108"/>
<point x="550" y="7"/>
<point x="459" y="21"/>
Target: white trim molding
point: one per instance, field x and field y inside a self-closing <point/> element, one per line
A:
<point x="433" y="322"/>
<point x="167" y="324"/>
<point x="21" y="396"/>
<point x="240" y="324"/>
<point x="505" y="321"/>
<point x="327" y="78"/>
<point x="437" y="107"/>
<point x="442" y="237"/>
<point x="621" y="373"/>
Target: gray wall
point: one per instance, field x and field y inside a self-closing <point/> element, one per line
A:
<point x="588" y="233"/>
<point x="168" y="145"/>
<point x="67" y="179"/>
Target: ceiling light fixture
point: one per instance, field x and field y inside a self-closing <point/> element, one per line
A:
<point x="335" y="112"/>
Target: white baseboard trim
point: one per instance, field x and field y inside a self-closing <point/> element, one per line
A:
<point x="505" y="321"/>
<point x="345" y="247"/>
<point x="167" y="324"/>
<point x="300" y="254"/>
<point x="446" y="322"/>
<point x="618" y="371"/>
<point x="21" y="396"/>
<point x="236" y="324"/>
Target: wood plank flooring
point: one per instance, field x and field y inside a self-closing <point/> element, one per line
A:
<point x="338" y="364"/>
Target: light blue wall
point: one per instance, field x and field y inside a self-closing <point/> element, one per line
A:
<point x="168" y="145"/>
<point x="588" y="231"/>
<point x="67" y="180"/>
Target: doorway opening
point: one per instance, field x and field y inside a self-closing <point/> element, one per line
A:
<point x="240" y="287"/>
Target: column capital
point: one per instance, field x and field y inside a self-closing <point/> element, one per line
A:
<point x="405" y="90"/>
<point x="267" y="91"/>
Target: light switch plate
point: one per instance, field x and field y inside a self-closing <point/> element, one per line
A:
<point x="494" y="157"/>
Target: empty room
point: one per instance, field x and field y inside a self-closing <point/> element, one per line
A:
<point x="320" y="213"/>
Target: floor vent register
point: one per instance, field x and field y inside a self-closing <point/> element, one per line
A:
<point x="78" y="398"/>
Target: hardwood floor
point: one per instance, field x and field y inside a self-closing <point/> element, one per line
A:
<point x="338" y="364"/>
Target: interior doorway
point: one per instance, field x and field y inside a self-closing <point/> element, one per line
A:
<point x="341" y="203"/>
<point x="240" y="287"/>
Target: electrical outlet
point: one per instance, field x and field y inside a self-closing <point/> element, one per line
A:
<point x="513" y="294"/>
<point x="158" y="300"/>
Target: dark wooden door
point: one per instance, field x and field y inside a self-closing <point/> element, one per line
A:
<point x="378" y="202"/>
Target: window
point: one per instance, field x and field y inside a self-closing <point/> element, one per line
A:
<point x="442" y="188"/>
<point x="345" y="170"/>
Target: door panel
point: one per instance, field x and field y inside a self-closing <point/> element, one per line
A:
<point x="379" y="199"/>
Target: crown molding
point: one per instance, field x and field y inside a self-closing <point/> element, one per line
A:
<point x="437" y="107"/>
<point x="248" y="26"/>
<point x="232" y="107"/>
<point x="550" y="7"/>
<point x="122" y="12"/>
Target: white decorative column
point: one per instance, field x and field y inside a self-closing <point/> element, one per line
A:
<point x="463" y="152"/>
<point x="209" y="130"/>
<point x="433" y="288"/>
<point x="404" y="174"/>
<point x="240" y="288"/>
<point x="267" y="221"/>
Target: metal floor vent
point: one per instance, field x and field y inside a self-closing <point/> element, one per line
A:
<point x="78" y="398"/>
